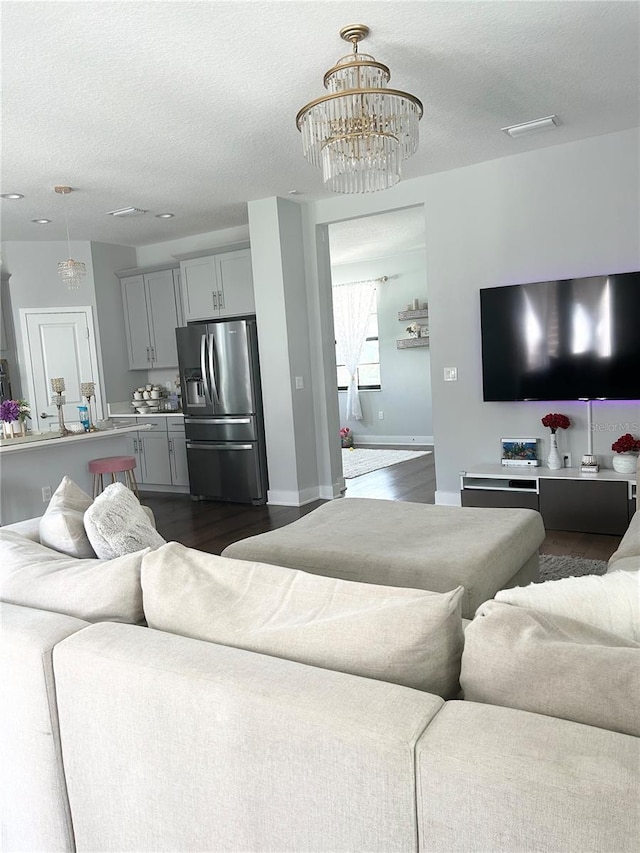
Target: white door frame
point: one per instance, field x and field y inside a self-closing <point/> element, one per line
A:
<point x="93" y="355"/>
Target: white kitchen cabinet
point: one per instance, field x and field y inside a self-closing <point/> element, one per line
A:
<point x="217" y="285"/>
<point x="178" y="455"/>
<point x="152" y="309"/>
<point x="161" y="452"/>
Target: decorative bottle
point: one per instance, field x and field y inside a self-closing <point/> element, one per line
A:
<point x="554" y="460"/>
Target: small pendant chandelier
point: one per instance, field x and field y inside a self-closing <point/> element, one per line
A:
<point x="70" y="271"/>
<point x="360" y="132"/>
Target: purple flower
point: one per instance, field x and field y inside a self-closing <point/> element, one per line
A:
<point x="9" y="411"/>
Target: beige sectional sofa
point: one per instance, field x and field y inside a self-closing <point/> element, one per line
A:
<point x="124" y="737"/>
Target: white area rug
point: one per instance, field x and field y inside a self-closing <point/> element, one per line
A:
<point x="362" y="460"/>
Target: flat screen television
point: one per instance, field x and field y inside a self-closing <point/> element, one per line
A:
<point x="562" y="340"/>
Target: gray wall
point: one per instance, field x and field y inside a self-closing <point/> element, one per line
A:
<point x="568" y="210"/>
<point x="35" y="283"/>
<point x="405" y="374"/>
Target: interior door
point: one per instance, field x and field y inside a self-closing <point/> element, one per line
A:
<point x="59" y="343"/>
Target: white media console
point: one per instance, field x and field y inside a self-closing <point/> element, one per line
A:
<point x="567" y="499"/>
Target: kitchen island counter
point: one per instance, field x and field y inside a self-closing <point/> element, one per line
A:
<point x="30" y="468"/>
<point x="45" y="440"/>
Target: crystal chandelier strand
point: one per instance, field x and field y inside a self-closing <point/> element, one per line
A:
<point x="360" y="132"/>
<point x="70" y="271"/>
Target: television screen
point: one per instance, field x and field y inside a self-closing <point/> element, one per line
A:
<point x="562" y="340"/>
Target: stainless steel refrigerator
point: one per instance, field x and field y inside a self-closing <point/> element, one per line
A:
<point x="222" y="404"/>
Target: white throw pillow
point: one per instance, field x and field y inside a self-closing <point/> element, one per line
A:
<point x="116" y="524"/>
<point x="32" y="575"/>
<point x="609" y="602"/>
<point x="406" y="636"/>
<point x="62" y="525"/>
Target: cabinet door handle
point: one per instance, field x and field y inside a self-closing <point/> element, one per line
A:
<point x="170" y="445"/>
<point x="220" y="299"/>
<point x="153" y="353"/>
<point x="135" y="445"/>
<point x="148" y="356"/>
<point x="214" y="294"/>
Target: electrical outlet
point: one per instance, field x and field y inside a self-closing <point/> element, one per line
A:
<point x="380" y="416"/>
<point x="566" y="460"/>
<point x="299" y="383"/>
<point x="46" y="494"/>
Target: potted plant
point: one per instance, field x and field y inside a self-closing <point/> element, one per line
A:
<point x="555" y="422"/>
<point x="626" y="450"/>
<point x="346" y="437"/>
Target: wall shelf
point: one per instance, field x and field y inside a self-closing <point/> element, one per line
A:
<point x="409" y="343"/>
<point x="413" y="315"/>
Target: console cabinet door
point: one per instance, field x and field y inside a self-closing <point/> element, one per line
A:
<point x="200" y="288"/>
<point x="588" y="506"/>
<point x="235" y="283"/>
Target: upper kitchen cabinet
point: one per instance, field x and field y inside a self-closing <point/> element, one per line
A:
<point x="152" y="311"/>
<point x="217" y="285"/>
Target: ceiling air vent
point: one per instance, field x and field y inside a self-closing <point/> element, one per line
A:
<point x="126" y="211"/>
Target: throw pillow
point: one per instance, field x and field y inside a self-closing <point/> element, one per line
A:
<point x="610" y="602"/>
<point x="116" y="524"/>
<point x="62" y="525"/>
<point x="32" y="575"/>
<point x="406" y="636"/>
<point x="552" y="665"/>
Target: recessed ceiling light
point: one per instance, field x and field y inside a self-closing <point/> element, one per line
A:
<point x="534" y="126"/>
<point x="126" y="211"/>
<point x="293" y="192"/>
<point x="165" y="215"/>
<point x="41" y="221"/>
<point x="12" y="195"/>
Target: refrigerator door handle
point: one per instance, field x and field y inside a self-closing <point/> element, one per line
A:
<point x="212" y="369"/>
<point x="222" y="446"/>
<point x="203" y="367"/>
<point x="194" y="420"/>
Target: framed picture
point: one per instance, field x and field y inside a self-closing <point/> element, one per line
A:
<point x="520" y="451"/>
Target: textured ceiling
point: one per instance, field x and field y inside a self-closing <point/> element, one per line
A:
<point x="189" y="107"/>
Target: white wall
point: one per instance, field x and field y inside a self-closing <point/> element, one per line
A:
<point x="159" y="253"/>
<point x="405" y="374"/>
<point x="569" y="210"/>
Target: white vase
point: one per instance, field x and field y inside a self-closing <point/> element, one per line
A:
<point x="553" y="460"/>
<point x="625" y="463"/>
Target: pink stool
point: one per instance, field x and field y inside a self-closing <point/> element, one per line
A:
<point x="113" y="465"/>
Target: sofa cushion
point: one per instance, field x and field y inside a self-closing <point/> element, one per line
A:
<point x="610" y="602"/>
<point x="116" y="524"/>
<point x="630" y="544"/>
<point x="62" y="526"/>
<point x="405" y="636"/>
<point x="549" y="664"/>
<point x="32" y="575"/>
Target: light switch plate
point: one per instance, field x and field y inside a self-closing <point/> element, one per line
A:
<point x="299" y="383"/>
<point x="450" y="374"/>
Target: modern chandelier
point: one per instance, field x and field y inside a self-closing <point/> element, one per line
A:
<point x="360" y="132"/>
<point x="70" y="271"/>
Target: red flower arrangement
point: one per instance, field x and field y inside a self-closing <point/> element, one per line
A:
<point x="555" y="421"/>
<point x="626" y="444"/>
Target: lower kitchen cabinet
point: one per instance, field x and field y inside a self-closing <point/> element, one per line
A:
<point x="160" y="453"/>
<point x="178" y="456"/>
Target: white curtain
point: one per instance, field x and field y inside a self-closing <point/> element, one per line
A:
<point x="351" y="310"/>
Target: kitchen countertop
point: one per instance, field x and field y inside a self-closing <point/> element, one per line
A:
<point x="45" y="440"/>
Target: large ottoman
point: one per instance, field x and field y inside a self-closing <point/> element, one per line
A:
<point x="395" y="543"/>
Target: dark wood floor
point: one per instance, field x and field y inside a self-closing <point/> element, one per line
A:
<point x="212" y="525"/>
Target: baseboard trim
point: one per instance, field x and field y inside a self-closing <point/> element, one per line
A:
<point x="407" y="440"/>
<point x="448" y="498"/>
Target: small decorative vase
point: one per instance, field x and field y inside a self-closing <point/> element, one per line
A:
<point x="553" y="460"/>
<point x="7" y="429"/>
<point x="625" y="463"/>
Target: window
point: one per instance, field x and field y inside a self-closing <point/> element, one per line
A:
<point x="369" y="364"/>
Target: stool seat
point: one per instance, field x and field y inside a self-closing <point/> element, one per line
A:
<point x="113" y="465"/>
